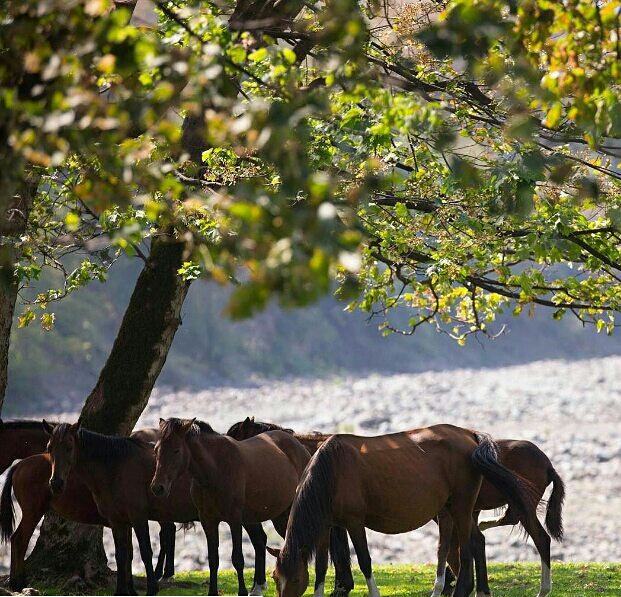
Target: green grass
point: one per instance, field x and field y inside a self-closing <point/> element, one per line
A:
<point x="506" y="580"/>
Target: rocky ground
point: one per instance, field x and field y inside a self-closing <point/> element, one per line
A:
<point x="572" y="410"/>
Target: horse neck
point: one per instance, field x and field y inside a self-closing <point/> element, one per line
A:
<point x="20" y="443"/>
<point x="206" y="451"/>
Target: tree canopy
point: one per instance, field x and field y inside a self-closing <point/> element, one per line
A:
<point x="456" y="159"/>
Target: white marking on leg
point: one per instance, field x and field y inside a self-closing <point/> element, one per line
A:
<point x="373" y="590"/>
<point x="319" y="590"/>
<point x="439" y="584"/>
<point x="546" y="581"/>
<point x="258" y="589"/>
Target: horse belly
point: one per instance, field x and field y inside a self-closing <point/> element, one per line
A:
<point x="403" y="505"/>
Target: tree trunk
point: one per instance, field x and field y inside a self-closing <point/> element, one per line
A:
<point x="14" y="213"/>
<point x="142" y="344"/>
<point x="75" y="552"/>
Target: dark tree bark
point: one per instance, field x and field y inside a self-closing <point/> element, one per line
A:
<point x="14" y="212"/>
<point x="70" y="551"/>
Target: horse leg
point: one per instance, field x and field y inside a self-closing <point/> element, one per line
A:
<point x="509" y="518"/>
<point x="321" y="563"/>
<point x="258" y="538"/>
<point x="237" y="557"/>
<point x="169" y="567"/>
<point x="541" y="539"/>
<point x="358" y="538"/>
<point x="445" y="531"/>
<point x="461" y="511"/>
<point x="477" y="545"/>
<point x="452" y="569"/>
<point x="161" y="558"/>
<point x="131" y="590"/>
<point x="213" y="541"/>
<point x="119" y="534"/>
<point x="146" y="553"/>
<point x="19" y="545"/>
<point x="339" y="552"/>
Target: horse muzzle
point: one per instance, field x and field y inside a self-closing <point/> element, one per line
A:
<point x="57" y="485"/>
<point x="160" y="490"/>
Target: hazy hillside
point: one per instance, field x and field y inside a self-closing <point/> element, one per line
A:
<point x="61" y="366"/>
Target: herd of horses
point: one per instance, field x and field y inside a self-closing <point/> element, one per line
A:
<point x="317" y="489"/>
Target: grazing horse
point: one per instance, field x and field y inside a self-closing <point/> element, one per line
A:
<point x="20" y="439"/>
<point x="529" y="462"/>
<point x="392" y="484"/>
<point x="245" y="482"/>
<point x="523" y="458"/>
<point x="117" y="471"/>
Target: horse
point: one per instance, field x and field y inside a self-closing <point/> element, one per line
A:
<point x="529" y="462"/>
<point x="20" y="439"/>
<point x="393" y="484"/>
<point x="245" y="482"/>
<point x="117" y="472"/>
<point x="522" y="457"/>
<point x="29" y="480"/>
<point x="339" y="548"/>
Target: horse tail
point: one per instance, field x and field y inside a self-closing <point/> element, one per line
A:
<point x="312" y="506"/>
<point x="7" y="516"/>
<point x="520" y="494"/>
<point x="554" y="513"/>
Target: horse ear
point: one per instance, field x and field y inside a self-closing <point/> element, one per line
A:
<point x="187" y="425"/>
<point x="252" y="419"/>
<point x="162" y="422"/>
<point x="47" y="427"/>
<point x="246" y="420"/>
<point x="274" y="551"/>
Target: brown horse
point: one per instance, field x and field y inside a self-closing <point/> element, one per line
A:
<point x="117" y="472"/>
<point x="246" y="482"/>
<point x="29" y="479"/>
<point x="392" y="484"/>
<point x="523" y="458"/>
<point x="20" y="439"/>
<point x="339" y="548"/>
<point x="529" y="462"/>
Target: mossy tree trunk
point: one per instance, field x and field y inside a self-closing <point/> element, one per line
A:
<point x="14" y="212"/>
<point x="70" y="551"/>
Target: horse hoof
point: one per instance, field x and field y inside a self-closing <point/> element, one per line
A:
<point x="243" y="591"/>
<point x="258" y="589"/>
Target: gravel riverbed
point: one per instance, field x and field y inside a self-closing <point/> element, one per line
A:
<point x="571" y="410"/>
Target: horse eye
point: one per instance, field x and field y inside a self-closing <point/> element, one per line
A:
<point x="177" y="451"/>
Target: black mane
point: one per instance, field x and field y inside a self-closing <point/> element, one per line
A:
<point x="312" y="506"/>
<point x="173" y="424"/>
<point x="106" y="447"/>
<point x="256" y="427"/>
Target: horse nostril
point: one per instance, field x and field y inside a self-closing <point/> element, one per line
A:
<point x="157" y="489"/>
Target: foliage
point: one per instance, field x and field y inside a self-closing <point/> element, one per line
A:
<point x="570" y="580"/>
<point x="459" y="164"/>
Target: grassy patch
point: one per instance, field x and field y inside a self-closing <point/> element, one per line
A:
<point x="506" y="580"/>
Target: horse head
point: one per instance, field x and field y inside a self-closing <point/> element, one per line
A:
<point x="62" y="447"/>
<point x="172" y="455"/>
<point x="291" y="581"/>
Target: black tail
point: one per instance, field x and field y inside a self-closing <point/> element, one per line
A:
<point x="312" y="506"/>
<point x="7" y="516"/>
<point x="554" y="514"/>
<point x="520" y="494"/>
